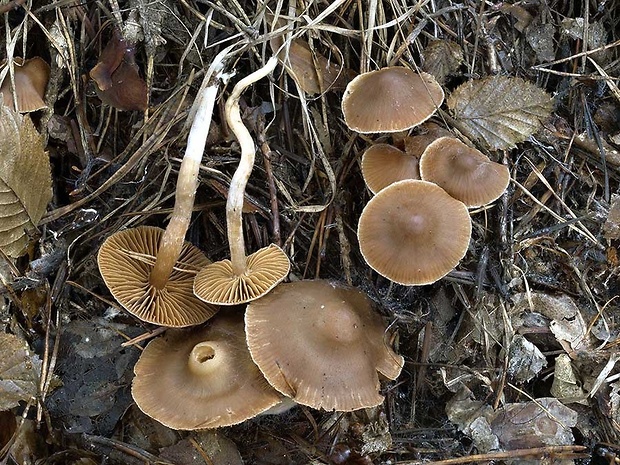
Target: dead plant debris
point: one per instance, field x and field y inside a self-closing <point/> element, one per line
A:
<point x="512" y="357"/>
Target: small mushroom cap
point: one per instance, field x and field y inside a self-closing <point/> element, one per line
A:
<point x="463" y="172"/>
<point x="384" y="164"/>
<point x="218" y="284"/>
<point x="31" y="77"/>
<point x="201" y="377"/>
<point x="429" y="132"/>
<point x="390" y="100"/>
<point x="322" y="344"/>
<point x="414" y="232"/>
<point x="125" y="262"/>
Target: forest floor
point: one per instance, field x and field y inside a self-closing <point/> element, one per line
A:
<point x="510" y="358"/>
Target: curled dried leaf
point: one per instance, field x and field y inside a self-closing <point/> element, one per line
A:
<point x="23" y="164"/>
<point x="499" y="111"/>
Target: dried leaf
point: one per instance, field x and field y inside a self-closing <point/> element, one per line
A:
<point x="611" y="228"/>
<point x="24" y="164"/>
<point x="525" y="360"/>
<point x="499" y="111"/>
<point x="541" y="422"/>
<point x="442" y="58"/>
<point x="18" y="371"/>
<point x="312" y="72"/>
<point x="565" y="387"/>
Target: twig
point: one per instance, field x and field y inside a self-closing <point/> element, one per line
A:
<point x="536" y="452"/>
<point x="273" y="193"/>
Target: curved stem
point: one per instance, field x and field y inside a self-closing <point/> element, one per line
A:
<point x="234" y="203"/>
<point x="172" y="241"/>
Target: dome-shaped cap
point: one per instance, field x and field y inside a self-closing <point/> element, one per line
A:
<point x="414" y="232"/>
<point x="125" y="262"/>
<point x="201" y="377"/>
<point x="265" y="268"/>
<point x="384" y="164"/>
<point x="390" y="100"/>
<point x="31" y="77"/>
<point x="463" y="172"/>
<point x="322" y="344"/>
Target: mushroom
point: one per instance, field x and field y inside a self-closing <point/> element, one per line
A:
<point x="30" y="78"/>
<point x="241" y="279"/>
<point x="384" y="164"/>
<point x="391" y="99"/>
<point x="201" y="377"/>
<point x="118" y="83"/>
<point x="413" y="232"/>
<point x="427" y="133"/>
<point x="463" y="172"/>
<point x="321" y="344"/>
<point x="150" y="272"/>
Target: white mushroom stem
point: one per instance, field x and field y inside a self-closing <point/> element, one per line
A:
<point x="187" y="183"/>
<point x="234" y="203"/>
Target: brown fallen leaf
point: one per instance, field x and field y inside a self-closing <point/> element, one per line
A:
<point x="25" y="180"/>
<point x="499" y="111"/>
<point x="19" y="371"/>
<point x="313" y="74"/>
<point x="116" y="76"/>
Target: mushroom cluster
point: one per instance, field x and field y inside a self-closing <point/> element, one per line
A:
<point x="316" y="343"/>
<point x="416" y="228"/>
<point x="157" y="276"/>
<point x="312" y="342"/>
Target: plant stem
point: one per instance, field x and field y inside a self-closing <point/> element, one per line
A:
<point x="187" y="182"/>
<point x="234" y="203"/>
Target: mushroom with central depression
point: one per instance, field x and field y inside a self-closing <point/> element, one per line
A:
<point x="201" y="378"/>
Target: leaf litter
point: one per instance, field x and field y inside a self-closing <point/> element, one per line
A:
<point x="511" y="358"/>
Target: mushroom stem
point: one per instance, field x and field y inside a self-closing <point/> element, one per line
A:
<point x="187" y="182"/>
<point x="234" y="203"/>
<point x="202" y="358"/>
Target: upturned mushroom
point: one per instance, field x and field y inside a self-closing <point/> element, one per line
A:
<point x="201" y="377"/>
<point x="30" y="78"/>
<point x="390" y="100"/>
<point x="413" y="232"/>
<point x="384" y="164"/>
<point x="321" y="344"/>
<point x="242" y="278"/>
<point x="149" y="271"/>
<point x="463" y="172"/>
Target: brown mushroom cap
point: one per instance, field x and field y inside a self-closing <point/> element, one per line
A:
<point x="31" y="77"/>
<point x="125" y="262"/>
<point x="201" y="378"/>
<point x="414" y="232"/>
<point x="463" y="172"/>
<point x="384" y="164"/>
<point x="321" y="344"/>
<point x="265" y="269"/>
<point x="428" y="133"/>
<point x="390" y="100"/>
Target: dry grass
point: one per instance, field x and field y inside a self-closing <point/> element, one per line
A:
<point x="116" y="169"/>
